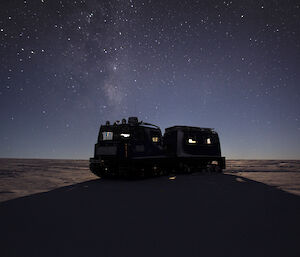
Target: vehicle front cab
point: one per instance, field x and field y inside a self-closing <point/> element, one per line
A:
<point x="122" y="146"/>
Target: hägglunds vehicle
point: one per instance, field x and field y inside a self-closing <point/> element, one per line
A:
<point x="138" y="148"/>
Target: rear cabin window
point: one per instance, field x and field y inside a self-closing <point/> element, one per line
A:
<point x="200" y="139"/>
<point x="192" y="140"/>
<point x="208" y="141"/>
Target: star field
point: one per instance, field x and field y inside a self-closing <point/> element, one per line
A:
<point x="68" y="66"/>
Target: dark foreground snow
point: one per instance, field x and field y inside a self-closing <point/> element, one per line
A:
<point x="198" y="215"/>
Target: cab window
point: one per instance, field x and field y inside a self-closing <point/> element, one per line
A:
<point x="107" y="135"/>
<point x="155" y="136"/>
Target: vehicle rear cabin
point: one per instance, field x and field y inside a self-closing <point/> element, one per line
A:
<point x="193" y="148"/>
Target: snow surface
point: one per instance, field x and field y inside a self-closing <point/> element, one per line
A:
<point x="21" y="177"/>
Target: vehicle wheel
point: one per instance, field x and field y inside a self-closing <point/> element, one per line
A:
<point x="94" y="169"/>
<point x="218" y="169"/>
<point x="165" y="172"/>
<point x="187" y="169"/>
<point x="98" y="173"/>
<point x="210" y="168"/>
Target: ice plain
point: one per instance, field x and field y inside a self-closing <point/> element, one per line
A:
<point x="21" y="177"/>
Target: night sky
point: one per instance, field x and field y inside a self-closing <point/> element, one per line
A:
<point x="68" y="66"/>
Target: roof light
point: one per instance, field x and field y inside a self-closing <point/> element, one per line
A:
<point x="125" y="135"/>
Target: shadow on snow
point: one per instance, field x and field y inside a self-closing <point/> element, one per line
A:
<point x="188" y="215"/>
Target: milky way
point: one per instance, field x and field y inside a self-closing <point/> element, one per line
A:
<point x="68" y="66"/>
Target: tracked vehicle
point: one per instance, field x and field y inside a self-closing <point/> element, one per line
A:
<point x="138" y="148"/>
<point x="127" y="148"/>
<point x="193" y="148"/>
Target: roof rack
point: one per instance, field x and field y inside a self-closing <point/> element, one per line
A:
<point x="149" y="124"/>
<point x="190" y="127"/>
